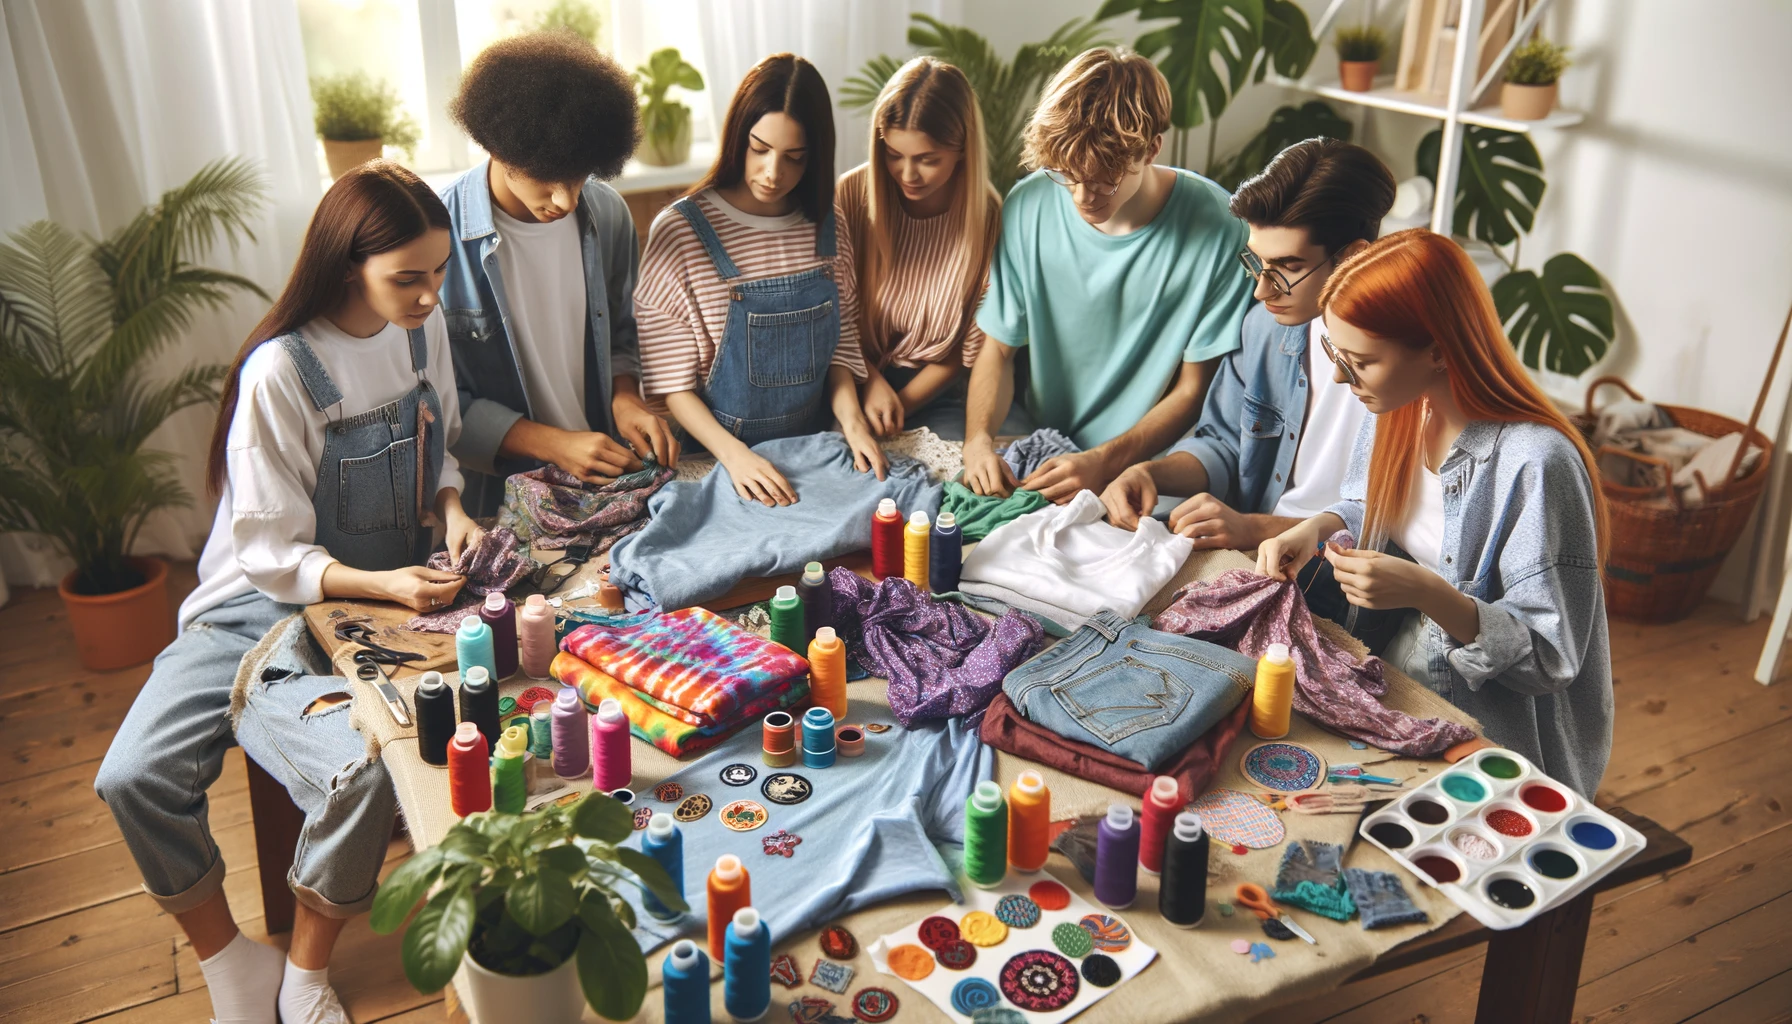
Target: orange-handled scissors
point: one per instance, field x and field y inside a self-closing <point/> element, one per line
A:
<point x="1252" y="898"/>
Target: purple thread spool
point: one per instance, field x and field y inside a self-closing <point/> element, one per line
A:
<point x="1117" y="858"/>
<point x="498" y="613"/>
<point x="572" y="734"/>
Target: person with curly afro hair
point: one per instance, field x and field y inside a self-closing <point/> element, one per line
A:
<point x="539" y="294"/>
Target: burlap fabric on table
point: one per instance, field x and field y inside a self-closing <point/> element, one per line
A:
<point x="1196" y="977"/>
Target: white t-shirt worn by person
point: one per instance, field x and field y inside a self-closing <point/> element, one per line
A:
<point x="544" y="283"/>
<point x="1334" y="416"/>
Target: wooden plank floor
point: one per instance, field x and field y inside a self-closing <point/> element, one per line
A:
<point x="1700" y="747"/>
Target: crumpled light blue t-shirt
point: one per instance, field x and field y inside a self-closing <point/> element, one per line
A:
<point x="703" y="538"/>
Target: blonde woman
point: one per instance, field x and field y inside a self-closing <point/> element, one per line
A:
<point x="923" y="221"/>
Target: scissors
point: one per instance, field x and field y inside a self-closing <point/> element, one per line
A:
<point x="1252" y="898"/>
<point x="372" y="659"/>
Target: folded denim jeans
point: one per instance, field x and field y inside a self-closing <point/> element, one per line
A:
<point x="1124" y="687"/>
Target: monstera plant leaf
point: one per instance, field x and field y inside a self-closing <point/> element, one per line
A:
<point x="1207" y="54"/>
<point x="1559" y="321"/>
<point x="1287" y="126"/>
<point x="1500" y="184"/>
<point x="1288" y="41"/>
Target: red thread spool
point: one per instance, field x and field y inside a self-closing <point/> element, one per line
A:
<point x="886" y="540"/>
<point x="469" y="771"/>
<point x="1163" y="801"/>
<point x="779" y="744"/>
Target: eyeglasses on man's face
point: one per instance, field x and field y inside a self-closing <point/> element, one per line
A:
<point x="1257" y="270"/>
<point x="1099" y="188"/>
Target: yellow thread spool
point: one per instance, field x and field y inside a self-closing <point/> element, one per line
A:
<point x="914" y="549"/>
<point x="1029" y="822"/>
<point x="1273" y="700"/>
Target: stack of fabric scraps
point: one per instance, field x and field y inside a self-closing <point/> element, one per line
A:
<point x="941" y="659"/>
<point x="499" y="562"/>
<point x="1006" y="729"/>
<point x="685" y="679"/>
<point x="1312" y="878"/>
<point x="1035" y="450"/>
<point x="1248" y="612"/>
<point x="978" y="515"/>
<point x="551" y="508"/>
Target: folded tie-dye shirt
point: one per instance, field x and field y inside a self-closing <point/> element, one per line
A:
<point x="648" y="722"/>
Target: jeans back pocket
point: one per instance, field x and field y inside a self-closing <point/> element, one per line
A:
<point x="782" y="348"/>
<point x="1122" y="698"/>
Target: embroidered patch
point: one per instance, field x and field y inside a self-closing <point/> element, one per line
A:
<point x="910" y="962"/>
<point x="739" y="774"/>
<point x="1049" y="895"/>
<point x="1283" y="767"/>
<point x="1101" y="970"/>
<point x="936" y="933"/>
<point x="668" y="792"/>
<point x="780" y="844"/>
<point x="532" y="696"/>
<point x="874" y="1005"/>
<point x="1039" y="980"/>
<point x="785" y="972"/>
<point x="832" y="976"/>
<point x="1238" y="818"/>
<point x="1108" y="933"/>
<point x="1072" y="940"/>
<point x="877" y="727"/>
<point x="786" y="788"/>
<point x="744" y="815"/>
<point x="838" y="943"/>
<point x="1016" y="911"/>
<point x="643" y="815"/>
<point x="810" y="1009"/>
<point x="695" y="806"/>
<point x="957" y="955"/>
<point x="982" y="929"/>
<point x="973" y="994"/>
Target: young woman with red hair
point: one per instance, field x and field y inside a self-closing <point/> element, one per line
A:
<point x="1468" y="470"/>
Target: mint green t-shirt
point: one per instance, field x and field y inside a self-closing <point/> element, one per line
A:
<point x="1108" y="320"/>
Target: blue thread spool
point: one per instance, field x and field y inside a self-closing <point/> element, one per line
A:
<point x="747" y="967"/>
<point x="665" y="844"/>
<point x="686" y="973"/>
<point x="473" y="646"/>
<point x="945" y="554"/>
<point x="818" y="738"/>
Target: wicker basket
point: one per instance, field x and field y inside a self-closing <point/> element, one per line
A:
<point x="1664" y="555"/>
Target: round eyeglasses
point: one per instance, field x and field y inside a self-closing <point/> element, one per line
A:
<point x="1068" y="182"/>
<point x="1257" y="270"/>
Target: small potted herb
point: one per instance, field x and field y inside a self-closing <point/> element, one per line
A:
<point x="528" y="904"/>
<point x="1359" y="55"/>
<point x="1534" y="69"/>
<point x="357" y="118"/>
<point x="665" y="123"/>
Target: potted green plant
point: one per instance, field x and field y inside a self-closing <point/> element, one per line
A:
<point x="1359" y="55"/>
<point x="528" y="904"/>
<point x="1532" y="72"/>
<point x="665" y="122"/>
<point x="78" y="321"/>
<point x="357" y="118"/>
<point x="575" y="16"/>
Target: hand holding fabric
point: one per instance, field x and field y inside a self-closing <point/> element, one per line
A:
<point x="984" y="471"/>
<point x="1131" y="497"/>
<point x="644" y="430"/>
<point x="1283" y="556"/>
<point x="1062" y="476"/>
<point x="1373" y="579"/>
<point x="1211" y="523"/>
<point x="592" y="457"/>
<point x="421" y="588"/>
<point x="756" y="479"/>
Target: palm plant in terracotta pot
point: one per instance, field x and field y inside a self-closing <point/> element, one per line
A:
<point x="1359" y="55"/>
<point x="357" y="118"/>
<point x="1532" y="73"/>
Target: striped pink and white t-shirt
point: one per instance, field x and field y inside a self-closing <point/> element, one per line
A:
<point x="681" y="303"/>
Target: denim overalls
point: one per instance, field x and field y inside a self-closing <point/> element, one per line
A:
<point x="770" y="374"/>
<point x="376" y="469"/>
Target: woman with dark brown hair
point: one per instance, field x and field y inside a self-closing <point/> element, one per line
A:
<point x="329" y="460"/>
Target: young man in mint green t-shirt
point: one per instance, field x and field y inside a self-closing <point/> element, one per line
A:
<point x="1119" y="277"/>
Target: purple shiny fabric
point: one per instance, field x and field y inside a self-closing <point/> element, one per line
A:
<point x="551" y="508"/>
<point x="941" y="658"/>
<point x="498" y="562"/>
<point x="1248" y="612"/>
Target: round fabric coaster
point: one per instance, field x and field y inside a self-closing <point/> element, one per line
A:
<point x="1072" y="940"/>
<point x="838" y="943"/>
<point x="694" y="806"/>
<point x="739" y="774"/>
<point x="1283" y="767"/>
<point x="982" y="929"/>
<point x="936" y="933"/>
<point x="1049" y="895"/>
<point x="668" y="792"/>
<point x="1039" y="980"/>
<point x="874" y="1005"/>
<point x="786" y="788"/>
<point x="957" y="955"/>
<point x="643" y="815"/>
<point x="973" y="994"/>
<point x="910" y="962"/>
<point x="744" y="815"/>
<point x="1100" y="970"/>
<point x="1017" y="911"/>
<point x="1108" y="933"/>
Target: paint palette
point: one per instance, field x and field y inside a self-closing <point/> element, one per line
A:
<point x="1501" y="839"/>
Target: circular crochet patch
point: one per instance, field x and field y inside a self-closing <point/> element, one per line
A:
<point x="1039" y="980"/>
<point x="643" y="815"/>
<point x="786" y="788"/>
<point x="694" y="806"/>
<point x="957" y="955"/>
<point x="981" y="928"/>
<point x="1108" y="933"/>
<point x="1101" y="970"/>
<point x="874" y="1005"/>
<point x="1017" y="911"/>
<point x="1072" y="940"/>
<point x="532" y="696"/>
<point x="936" y="933"/>
<point x="1049" y="895"/>
<point x="973" y="994"/>
<point x="739" y="774"/>
<point x="668" y="792"/>
<point x="838" y="943"/>
<point x="1283" y="767"/>
<point x="910" y="962"/>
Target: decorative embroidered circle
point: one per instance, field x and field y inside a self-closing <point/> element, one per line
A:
<point x="739" y="774"/>
<point x="1237" y="818"/>
<point x="973" y="994"/>
<point x="1283" y="767"/>
<point x="957" y="955"/>
<point x="877" y="727"/>
<point x="786" y="788"/>
<point x="695" y="806"/>
<point x="936" y="933"/>
<point x="1101" y="970"/>
<point x="532" y="696"/>
<point x="911" y="962"/>
<point x="1017" y="911"/>
<point x="643" y="815"/>
<point x="981" y="928"/>
<point x="744" y="815"/>
<point x="1108" y="933"/>
<point x="838" y="943"/>
<point x="1049" y="895"/>
<point x="1039" y="980"/>
<point x="1072" y="940"/>
<point x="668" y="792"/>
<point x="874" y="1005"/>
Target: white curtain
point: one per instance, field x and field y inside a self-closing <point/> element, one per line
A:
<point x="105" y="105"/>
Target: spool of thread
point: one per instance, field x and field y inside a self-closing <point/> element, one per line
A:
<point x="730" y="888"/>
<point x="886" y="540"/>
<point x="914" y="548"/>
<point x="1272" y="702"/>
<point x="469" y="772"/>
<point x="509" y="788"/>
<point x="541" y="732"/>
<point x="779" y="749"/>
<point x="479" y="704"/>
<point x="572" y="734"/>
<point x="747" y="967"/>
<point x="986" y="835"/>
<point x="818" y="600"/>
<point x="611" y="760"/>
<point x="1182" y="895"/>
<point x="686" y="974"/>
<point x="535" y="624"/>
<point x="787" y="620"/>
<point x="945" y="556"/>
<point x="818" y="738"/>
<point x="473" y="647"/>
<point x="664" y="842"/>
<point x="1029" y="822"/>
<point x="1117" y="858"/>
<point x="1162" y="801"/>
<point x="849" y="741"/>
<point x="500" y="615"/>
<point x="827" y="672"/>
<point x="609" y="597"/>
<point x="435" y="718"/>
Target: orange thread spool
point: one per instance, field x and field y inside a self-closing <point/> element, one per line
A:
<point x="469" y="771"/>
<point x="730" y="889"/>
<point x="886" y="540"/>
<point x="1029" y="822"/>
<point x="827" y="672"/>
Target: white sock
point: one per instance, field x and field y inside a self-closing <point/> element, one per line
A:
<point x="244" y="979"/>
<point x="307" y="998"/>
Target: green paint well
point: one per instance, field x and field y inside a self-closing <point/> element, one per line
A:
<point x="1501" y="767"/>
<point x="1554" y="864"/>
<point x="1463" y="788"/>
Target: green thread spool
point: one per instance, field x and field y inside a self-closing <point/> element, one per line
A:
<point x="986" y="835"/>
<point x="509" y="788"/>
<point x="541" y="732"/>
<point x="787" y="620"/>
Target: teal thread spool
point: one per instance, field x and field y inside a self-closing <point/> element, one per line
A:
<point x="473" y="646"/>
<point x="986" y="835"/>
<point x="787" y="620"/>
<point x="541" y="733"/>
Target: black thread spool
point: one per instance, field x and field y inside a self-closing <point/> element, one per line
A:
<point x="479" y="703"/>
<point x="1182" y="892"/>
<point x="435" y="718"/>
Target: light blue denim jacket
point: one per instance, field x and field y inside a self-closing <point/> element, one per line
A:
<point x="492" y="394"/>
<point x="1519" y="539"/>
<point x="1250" y="425"/>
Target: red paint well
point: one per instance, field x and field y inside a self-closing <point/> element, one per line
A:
<point x="1509" y="823"/>
<point x="1544" y="798"/>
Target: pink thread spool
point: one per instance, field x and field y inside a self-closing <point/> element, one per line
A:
<point x="610" y="755"/>
<point x="1163" y="801"/>
<point x="572" y="736"/>
<point x="536" y="624"/>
